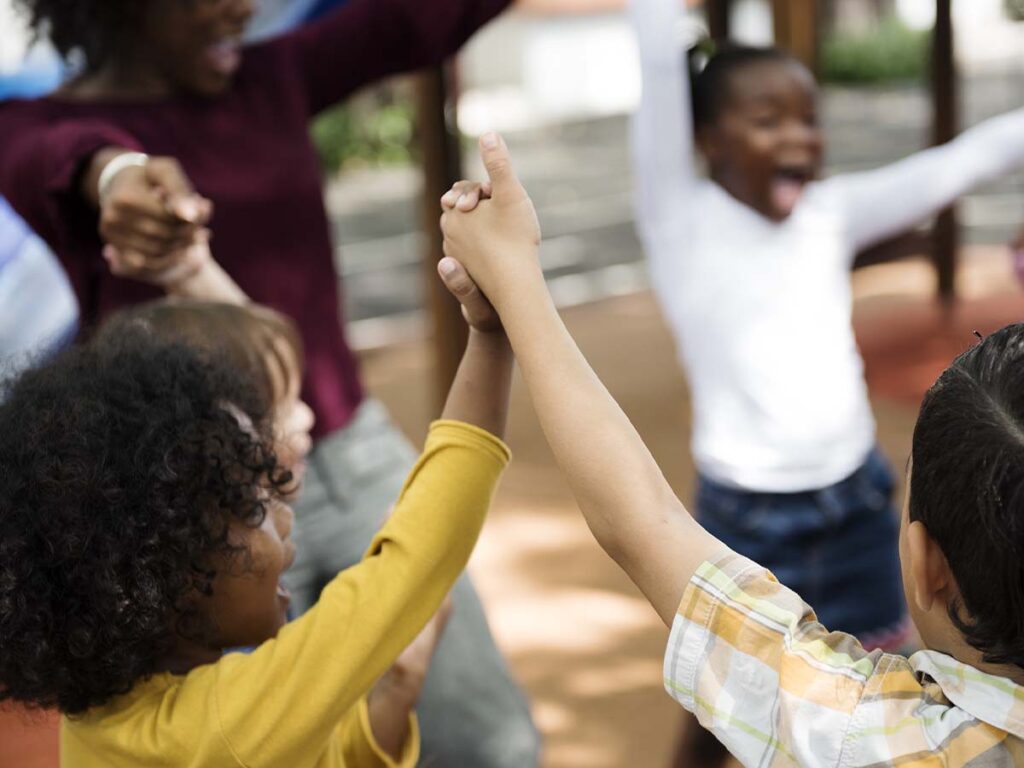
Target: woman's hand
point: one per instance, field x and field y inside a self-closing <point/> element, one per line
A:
<point x="150" y="213"/>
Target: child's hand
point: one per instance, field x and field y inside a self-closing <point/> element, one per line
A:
<point x="406" y="677"/>
<point x="498" y="241"/>
<point x="464" y="195"/>
<point x="477" y="310"/>
<point x="394" y="696"/>
<point x="163" y="271"/>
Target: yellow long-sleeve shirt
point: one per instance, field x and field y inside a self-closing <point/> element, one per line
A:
<point x="298" y="701"/>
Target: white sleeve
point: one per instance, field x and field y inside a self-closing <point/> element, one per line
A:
<point x="882" y="203"/>
<point x="662" y="127"/>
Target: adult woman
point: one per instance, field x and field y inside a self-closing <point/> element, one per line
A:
<point x="226" y="128"/>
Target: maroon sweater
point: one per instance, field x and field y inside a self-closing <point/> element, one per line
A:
<point x="249" y="151"/>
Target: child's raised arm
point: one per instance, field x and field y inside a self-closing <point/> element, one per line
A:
<point x="626" y="500"/>
<point x="883" y="202"/>
<point x="662" y="127"/>
<point x="480" y="392"/>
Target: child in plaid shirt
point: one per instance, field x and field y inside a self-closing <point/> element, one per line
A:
<point x="746" y="655"/>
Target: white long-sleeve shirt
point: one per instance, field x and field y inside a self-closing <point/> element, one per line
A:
<point x="761" y="310"/>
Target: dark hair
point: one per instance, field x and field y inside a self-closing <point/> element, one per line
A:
<point x="90" y="28"/>
<point x="122" y="464"/>
<point x="248" y="337"/>
<point x="711" y="65"/>
<point x="967" y="487"/>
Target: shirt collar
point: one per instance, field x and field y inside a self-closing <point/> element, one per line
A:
<point x="997" y="701"/>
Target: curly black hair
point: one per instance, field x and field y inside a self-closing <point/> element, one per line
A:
<point x="967" y="487"/>
<point x="90" y="28"/>
<point x="122" y="464"/>
<point x="711" y="75"/>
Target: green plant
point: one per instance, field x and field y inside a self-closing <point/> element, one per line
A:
<point x="375" y="129"/>
<point x="891" y="52"/>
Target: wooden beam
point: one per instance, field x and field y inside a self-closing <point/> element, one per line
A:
<point x="945" y="89"/>
<point x="718" y="18"/>
<point x="914" y="243"/>
<point x="797" y="26"/>
<point x="442" y="166"/>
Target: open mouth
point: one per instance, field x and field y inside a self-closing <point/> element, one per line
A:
<point x="787" y="187"/>
<point x="283" y="592"/>
<point x="224" y="56"/>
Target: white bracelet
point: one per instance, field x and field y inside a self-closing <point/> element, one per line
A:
<point x="115" y="166"/>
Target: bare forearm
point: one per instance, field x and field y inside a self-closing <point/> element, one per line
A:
<point x="210" y="283"/>
<point x="480" y="392"/>
<point x="603" y="457"/>
<point x="628" y="504"/>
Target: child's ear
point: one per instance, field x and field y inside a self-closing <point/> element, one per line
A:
<point x="928" y="567"/>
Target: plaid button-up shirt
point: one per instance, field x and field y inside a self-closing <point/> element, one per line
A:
<point x="750" y="659"/>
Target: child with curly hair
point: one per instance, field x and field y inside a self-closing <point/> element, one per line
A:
<point x="145" y="528"/>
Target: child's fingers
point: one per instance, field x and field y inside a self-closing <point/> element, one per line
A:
<point x="451" y="197"/>
<point x="468" y="200"/>
<point x="476" y="308"/>
<point x="502" y="175"/>
<point x="455" y="277"/>
<point x="464" y="195"/>
<point x="472" y="197"/>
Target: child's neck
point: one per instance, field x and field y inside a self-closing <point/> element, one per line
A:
<point x="954" y="645"/>
<point x="186" y="656"/>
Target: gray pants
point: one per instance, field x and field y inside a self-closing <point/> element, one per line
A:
<point x="471" y="713"/>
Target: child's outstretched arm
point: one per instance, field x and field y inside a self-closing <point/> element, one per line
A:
<point x="661" y="134"/>
<point x="626" y="500"/>
<point x="884" y="202"/>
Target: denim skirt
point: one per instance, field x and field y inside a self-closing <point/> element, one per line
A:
<point x="836" y="547"/>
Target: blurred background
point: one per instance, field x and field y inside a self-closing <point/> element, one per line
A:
<point x="559" y="78"/>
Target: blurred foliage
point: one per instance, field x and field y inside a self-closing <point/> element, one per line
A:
<point x="1015" y="9"/>
<point x="374" y="129"/>
<point x="890" y="52"/>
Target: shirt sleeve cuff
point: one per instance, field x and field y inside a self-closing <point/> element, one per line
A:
<point x="690" y="641"/>
<point x="447" y="431"/>
<point x="370" y="753"/>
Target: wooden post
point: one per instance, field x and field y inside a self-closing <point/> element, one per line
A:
<point x="944" y="97"/>
<point x="442" y="166"/>
<point x="797" y="29"/>
<point x="718" y="18"/>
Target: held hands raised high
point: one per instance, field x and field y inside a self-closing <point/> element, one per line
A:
<point x="491" y="228"/>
